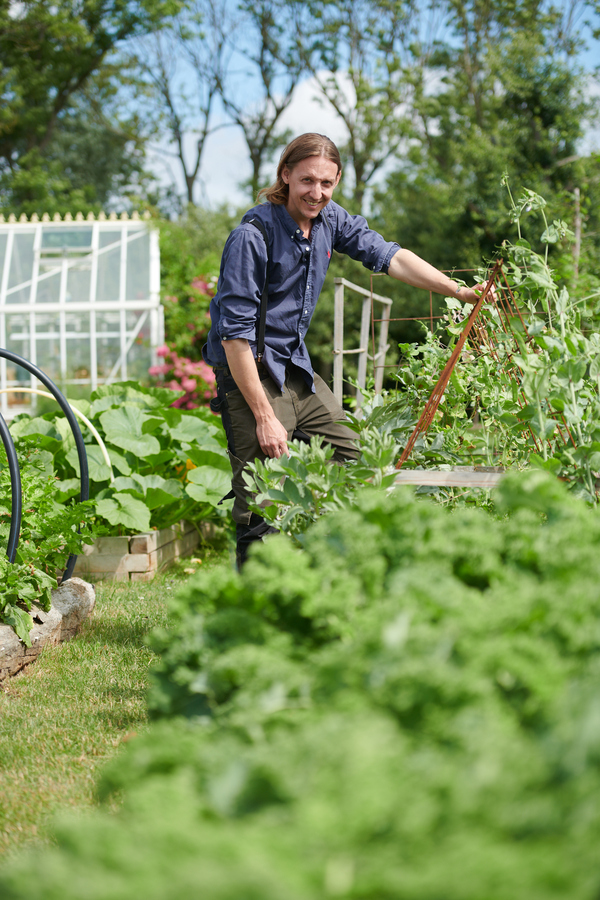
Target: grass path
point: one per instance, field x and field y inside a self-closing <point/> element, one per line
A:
<point x="71" y="710"/>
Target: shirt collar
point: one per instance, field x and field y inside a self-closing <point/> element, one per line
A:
<point x="289" y="224"/>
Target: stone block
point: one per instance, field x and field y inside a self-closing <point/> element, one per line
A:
<point x="75" y="601"/>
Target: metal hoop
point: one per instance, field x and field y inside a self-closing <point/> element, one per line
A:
<point x="15" y="488"/>
<point x="81" y="453"/>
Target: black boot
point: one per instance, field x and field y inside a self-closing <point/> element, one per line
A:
<point x="247" y="534"/>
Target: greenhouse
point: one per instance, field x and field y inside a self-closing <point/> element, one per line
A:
<point x="80" y="299"/>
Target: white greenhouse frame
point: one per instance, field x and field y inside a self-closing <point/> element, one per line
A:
<point x="78" y="289"/>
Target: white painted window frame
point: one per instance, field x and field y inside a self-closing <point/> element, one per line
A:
<point x="149" y="309"/>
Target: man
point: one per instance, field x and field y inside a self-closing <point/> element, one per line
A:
<point x="285" y="245"/>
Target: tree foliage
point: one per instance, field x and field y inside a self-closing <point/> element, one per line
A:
<point x="50" y="54"/>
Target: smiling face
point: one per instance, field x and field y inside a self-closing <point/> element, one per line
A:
<point x="311" y="183"/>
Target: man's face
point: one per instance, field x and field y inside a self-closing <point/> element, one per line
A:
<point x="311" y="183"/>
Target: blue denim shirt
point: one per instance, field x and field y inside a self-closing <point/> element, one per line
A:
<point x="297" y="271"/>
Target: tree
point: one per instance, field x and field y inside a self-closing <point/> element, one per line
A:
<point x="183" y="69"/>
<point x="274" y="61"/>
<point x="510" y="98"/>
<point x="369" y="58"/>
<point x="49" y="53"/>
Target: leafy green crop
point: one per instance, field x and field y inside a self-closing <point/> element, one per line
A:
<point x="154" y="450"/>
<point x="50" y="531"/>
<point x="293" y="491"/>
<point x="405" y="709"/>
<point x="529" y="397"/>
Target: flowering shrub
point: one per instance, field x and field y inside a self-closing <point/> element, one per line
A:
<point x="187" y="320"/>
<point x="192" y="376"/>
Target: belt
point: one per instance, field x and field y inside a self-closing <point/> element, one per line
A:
<point x="225" y="370"/>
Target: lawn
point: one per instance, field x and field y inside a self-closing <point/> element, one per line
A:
<point x="63" y="716"/>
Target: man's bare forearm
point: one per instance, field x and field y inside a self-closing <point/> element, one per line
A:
<point x="406" y="266"/>
<point x="271" y="434"/>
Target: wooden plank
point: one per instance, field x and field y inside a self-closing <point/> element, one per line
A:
<point x="123" y="558"/>
<point x="94" y="577"/>
<point x="140" y="562"/>
<point x="152" y="540"/>
<point x="109" y="546"/>
<point x="142" y="576"/>
<point x="465" y="476"/>
<point x="100" y="563"/>
<point x="143" y="543"/>
<point x="185" y="545"/>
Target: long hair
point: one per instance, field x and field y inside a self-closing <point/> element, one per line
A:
<point x="300" y="148"/>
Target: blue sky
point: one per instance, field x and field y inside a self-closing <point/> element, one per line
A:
<point x="225" y="162"/>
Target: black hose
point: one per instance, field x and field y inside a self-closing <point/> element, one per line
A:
<point x="70" y="416"/>
<point x="15" y="488"/>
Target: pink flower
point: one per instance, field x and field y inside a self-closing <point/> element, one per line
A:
<point x="163" y="350"/>
<point x="188" y="384"/>
<point x="199" y="285"/>
<point x="159" y="370"/>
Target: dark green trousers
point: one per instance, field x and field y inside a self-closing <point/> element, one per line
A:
<point x="296" y="408"/>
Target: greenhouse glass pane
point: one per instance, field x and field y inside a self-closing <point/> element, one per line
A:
<point x="139" y="358"/>
<point x="78" y="282"/>
<point x="138" y="267"/>
<point x="78" y="346"/>
<point x="3" y="243"/>
<point x="48" y="356"/>
<point x="109" y="237"/>
<point x="21" y="261"/>
<point x="108" y="342"/>
<point x="108" y="323"/>
<point x="47" y="324"/>
<point x="23" y="295"/>
<point x="48" y="289"/>
<point x="108" y="275"/>
<point x="73" y="238"/>
<point x="17" y="340"/>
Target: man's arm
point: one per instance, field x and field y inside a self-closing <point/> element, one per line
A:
<point x="271" y="434"/>
<point x="406" y="266"/>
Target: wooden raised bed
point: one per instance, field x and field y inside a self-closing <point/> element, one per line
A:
<point x="138" y="557"/>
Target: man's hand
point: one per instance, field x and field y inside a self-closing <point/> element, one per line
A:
<point x="271" y="434"/>
<point x="272" y="437"/>
<point x="472" y="295"/>
<point x="406" y="266"/>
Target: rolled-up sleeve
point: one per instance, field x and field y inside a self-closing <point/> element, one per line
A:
<point x="353" y="236"/>
<point x="243" y="273"/>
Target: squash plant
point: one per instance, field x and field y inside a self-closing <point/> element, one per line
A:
<point x="168" y="464"/>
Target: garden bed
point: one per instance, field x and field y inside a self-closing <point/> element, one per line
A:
<point x="139" y="557"/>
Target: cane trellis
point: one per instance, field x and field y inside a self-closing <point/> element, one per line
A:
<point x="498" y="295"/>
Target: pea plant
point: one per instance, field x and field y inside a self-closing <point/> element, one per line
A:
<point x="534" y="399"/>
